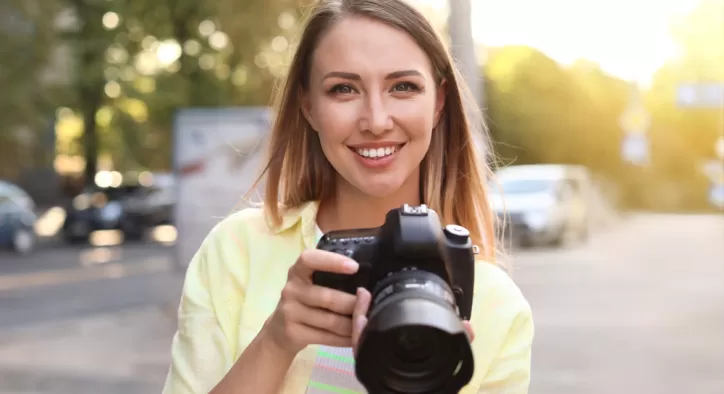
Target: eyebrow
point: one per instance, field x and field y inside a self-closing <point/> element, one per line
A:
<point x="357" y="77"/>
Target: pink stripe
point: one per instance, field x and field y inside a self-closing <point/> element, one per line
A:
<point x="342" y="371"/>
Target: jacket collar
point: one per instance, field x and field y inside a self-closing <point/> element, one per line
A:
<point x="305" y="215"/>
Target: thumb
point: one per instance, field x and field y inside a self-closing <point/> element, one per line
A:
<point x="469" y="330"/>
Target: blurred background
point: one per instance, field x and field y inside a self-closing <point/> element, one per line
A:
<point x="128" y="128"/>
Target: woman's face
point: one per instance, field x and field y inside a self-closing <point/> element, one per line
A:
<point x="373" y="100"/>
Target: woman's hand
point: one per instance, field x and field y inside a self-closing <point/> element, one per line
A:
<point x="359" y="315"/>
<point x="359" y="318"/>
<point x="308" y="314"/>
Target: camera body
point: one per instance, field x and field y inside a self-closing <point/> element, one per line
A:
<point x="421" y="277"/>
<point x="410" y="239"/>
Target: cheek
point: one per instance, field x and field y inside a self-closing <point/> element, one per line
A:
<point x="417" y="119"/>
<point x="335" y="122"/>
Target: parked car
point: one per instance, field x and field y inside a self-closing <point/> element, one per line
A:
<point x="94" y="209"/>
<point x="543" y="204"/>
<point x="17" y="219"/>
<point x="132" y="209"/>
<point x="149" y="206"/>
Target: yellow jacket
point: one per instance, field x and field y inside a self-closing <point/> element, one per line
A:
<point x="234" y="281"/>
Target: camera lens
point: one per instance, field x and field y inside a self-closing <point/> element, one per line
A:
<point x="414" y="341"/>
<point x="413" y="345"/>
<point x="416" y="359"/>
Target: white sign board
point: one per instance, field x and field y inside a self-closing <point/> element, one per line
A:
<point x="716" y="196"/>
<point x="700" y="95"/>
<point x="714" y="170"/>
<point x="217" y="156"/>
<point x="635" y="149"/>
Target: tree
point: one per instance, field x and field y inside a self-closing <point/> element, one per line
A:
<point x="29" y="84"/>
<point x="154" y="57"/>
<point x="90" y="41"/>
<point x="684" y="138"/>
<point x="540" y="112"/>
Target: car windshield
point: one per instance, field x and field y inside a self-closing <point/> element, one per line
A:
<point x="6" y="203"/>
<point x="523" y="186"/>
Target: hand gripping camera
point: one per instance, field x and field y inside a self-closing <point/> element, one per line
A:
<point x="421" y="278"/>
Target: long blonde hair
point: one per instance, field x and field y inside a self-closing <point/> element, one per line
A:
<point x="453" y="176"/>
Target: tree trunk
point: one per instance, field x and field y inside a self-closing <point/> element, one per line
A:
<point x="91" y="83"/>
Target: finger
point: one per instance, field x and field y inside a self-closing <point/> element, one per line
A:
<point x="469" y="330"/>
<point x="359" y="315"/>
<point x="326" y="298"/>
<point x="362" y="302"/>
<point x="315" y="336"/>
<point x="321" y="260"/>
<point x="321" y="319"/>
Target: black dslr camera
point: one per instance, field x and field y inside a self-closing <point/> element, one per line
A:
<point x="421" y="278"/>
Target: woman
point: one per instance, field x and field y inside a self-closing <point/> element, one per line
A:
<point x="372" y="116"/>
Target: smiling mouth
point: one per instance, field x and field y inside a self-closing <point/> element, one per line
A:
<point x="377" y="153"/>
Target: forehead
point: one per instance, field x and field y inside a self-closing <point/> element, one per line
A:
<point x="367" y="47"/>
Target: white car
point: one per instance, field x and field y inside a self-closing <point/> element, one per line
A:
<point x="542" y="204"/>
<point x="17" y="218"/>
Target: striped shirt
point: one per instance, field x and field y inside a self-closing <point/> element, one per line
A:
<point x="234" y="282"/>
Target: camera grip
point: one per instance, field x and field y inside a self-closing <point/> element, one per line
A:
<point x="355" y="244"/>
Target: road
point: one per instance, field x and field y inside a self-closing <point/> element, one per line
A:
<point x="639" y="309"/>
<point x="58" y="283"/>
<point x="86" y="319"/>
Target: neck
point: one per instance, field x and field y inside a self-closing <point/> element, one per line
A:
<point x="350" y="209"/>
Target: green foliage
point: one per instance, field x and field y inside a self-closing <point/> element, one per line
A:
<point x="540" y="112"/>
<point x="684" y="138"/>
<point x="124" y="67"/>
<point x="164" y="55"/>
<point x="213" y="53"/>
<point x="28" y="85"/>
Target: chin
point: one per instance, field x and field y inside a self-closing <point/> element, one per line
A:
<point x="380" y="189"/>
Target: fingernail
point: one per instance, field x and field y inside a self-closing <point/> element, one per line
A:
<point x="351" y="266"/>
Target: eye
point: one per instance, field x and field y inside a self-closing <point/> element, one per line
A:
<point x="341" y="89"/>
<point x="406" y="87"/>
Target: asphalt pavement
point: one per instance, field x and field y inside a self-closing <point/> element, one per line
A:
<point x="638" y="309"/>
<point x="81" y="319"/>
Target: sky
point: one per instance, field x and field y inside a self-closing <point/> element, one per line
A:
<point x="627" y="38"/>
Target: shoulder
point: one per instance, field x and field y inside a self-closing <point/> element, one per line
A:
<point x="494" y="281"/>
<point x="242" y="221"/>
<point x="503" y="323"/>
<point x="247" y="237"/>
<point x="225" y="247"/>
<point x="498" y="303"/>
<point x="236" y="228"/>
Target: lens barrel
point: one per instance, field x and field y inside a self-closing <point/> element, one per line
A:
<point x="414" y="341"/>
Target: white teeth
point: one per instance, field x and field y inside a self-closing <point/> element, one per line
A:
<point x="375" y="153"/>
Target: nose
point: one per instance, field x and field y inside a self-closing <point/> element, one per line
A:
<point x="376" y="119"/>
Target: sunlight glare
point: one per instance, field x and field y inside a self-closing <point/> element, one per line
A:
<point x="629" y="39"/>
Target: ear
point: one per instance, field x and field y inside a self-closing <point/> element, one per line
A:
<point x="440" y="95"/>
<point x="306" y="106"/>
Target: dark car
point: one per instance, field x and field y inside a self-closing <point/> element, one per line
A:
<point x="95" y="209"/>
<point x="132" y="209"/>
<point x="17" y="219"/>
<point x="150" y="206"/>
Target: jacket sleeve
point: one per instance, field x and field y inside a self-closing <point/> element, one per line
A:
<point x="201" y="353"/>
<point x="503" y="323"/>
<point x="509" y="371"/>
